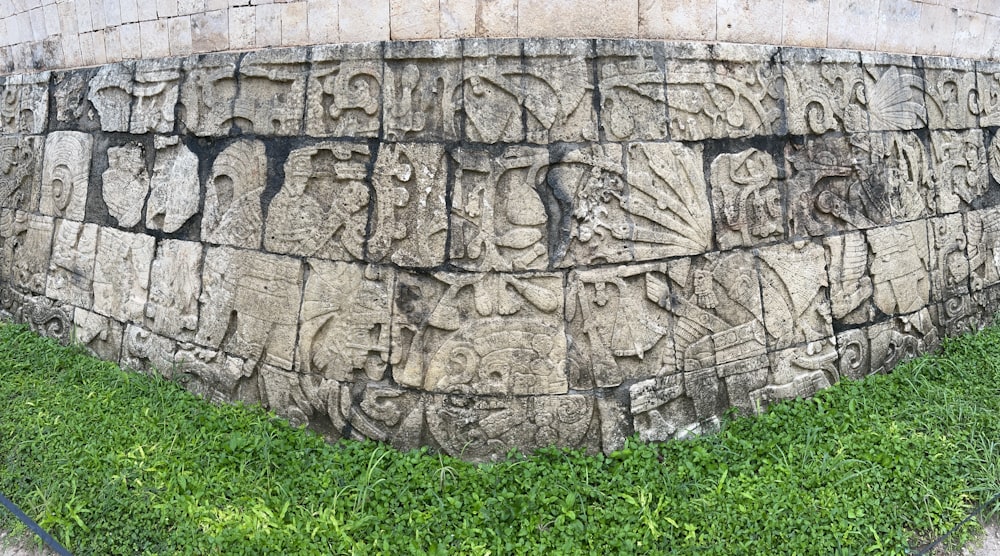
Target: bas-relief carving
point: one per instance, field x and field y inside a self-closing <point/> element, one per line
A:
<point x="156" y="88"/>
<point x="902" y="188"/>
<point x="422" y="91"/>
<point x="213" y="375"/>
<point x="722" y="96"/>
<point x="818" y="91"/>
<point x="27" y="248"/>
<point x="892" y="99"/>
<point x="65" y="174"/>
<point x="631" y="85"/>
<point x="125" y="183"/>
<point x="960" y="167"/>
<point x="110" y="93"/>
<point x="174" y="288"/>
<point x="121" y="274"/>
<point x="949" y="266"/>
<point x="232" y="213"/>
<point x="988" y="86"/>
<point x="410" y="220"/>
<point x="20" y="161"/>
<point x="853" y="354"/>
<point x="794" y="289"/>
<point x="749" y="205"/>
<point x="174" y="187"/>
<point x="71" y="268"/>
<point x="799" y="372"/>
<point x="902" y="338"/>
<point x="69" y="95"/>
<point x="493" y="91"/>
<point x="498" y="219"/>
<point x="851" y="288"/>
<point x="46" y="317"/>
<point x="559" y="91"/>
<point x="952" y="96"/>
<point x="322" y="207"/>
<point x="207" y="93"/>
<point x="249" y="305"/>
<point x="983" y="234"/>
<point x="98" y="334"/>
<point x="24" y="101"/>
<point x="271" y="92"/>
<point x="899" y="267"/>
<point x="145" y="351"/>
<point x="344" y="91"/>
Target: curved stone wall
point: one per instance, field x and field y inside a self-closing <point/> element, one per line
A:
<point x="487" y="244"/>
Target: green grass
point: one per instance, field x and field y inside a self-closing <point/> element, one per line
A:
<point x="120" y="463"/>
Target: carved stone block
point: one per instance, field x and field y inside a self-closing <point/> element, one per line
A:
<point x="233" y="214"/>
<point x="723" y="91"/>
<point x="960" y="167"/>
<point x="410" y="219"/>
<point x="207" y="93"/>
<point x="902" y="187"/>
<point x="850" y="286"/>
<point x="988" y="86"/>
<point x="749" y="204"/>
<point x="125" y="183"/>
<point x="494" y="92"/>
<point x="799" y="372"/>
<point x="46" y="317"/>
<point x="98" y="334"/>
<point x="214" y="375"/>
<point x="147" y="352"/>
<point x="69" y="94"/>
<point x="24" y="103"/>
<point x="249" y="305"/>
<point x="65" y="174"/>
<point x="174" y="288"/>
<point x="893" y="97"/>
<point x="952" y="96"/>
<point x="618" y="327"/>
<point x="344" y="90"/>
<point x="794" y="290"/>
<point x="983" y="235"/>
<point x="499" y="219"/>
<point x="272" y="92"/>
<point x="422" y="90"/>
<point x="949" y="265"/>
<point x="71" y="268"/>
<point x="899" y="267"/>
<point x="27" y="245"/>
<point x="559" y="91"/>
<point x="174" y="188"/>
<point x="121" y="275"/>
<point x="345" y="322"/>
<point x="156" y="88"/>
<point x="659" y="408"/>
<point x="110" y="93"/>
<point x="631" y="85"/>
<point x="900" y="339"/>
<point x="322" y="208"/>
<point x="483" y="334"/>
<point x="958" y="315"/>
<point x="819" y="86"/>
<point x="20" y="165"/>
<point x="853" y="354"/>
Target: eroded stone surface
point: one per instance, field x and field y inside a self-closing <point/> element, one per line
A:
<point x="20" y="161"/>
<point x="899" y="267"/>
<point x="110" y="93"/>
<point x="156" y="88"/>
<point x="749" y="205"/>
<point x="952" y="95"/>
<point x="232" y="213"/>
<point x="125" y="183"/>
<point x="850" y="286"/>
<point x="819" y="86"/>
<point x="559" y="91"/>
<point x="100" y="335"/>
<point x="948" y="263"/>
<point x="121" y="274"/>
<point x="174" y="289"/>
<point x="66" y="174"/>
<point x="893" y="96"/>
<point x="631" y="83"/>
<point x="272" y="87"/>
<point x="983" y="235"/>
<point x="27" y="248"/>
<point x="421" y="91"/>
<point x="24" y="103"/>
<point x="174" y="188"/>
<point x="207" y="93"/>
<point x="344" y="91"/>
<point x="794" y="290"/>
<point x="960" y="168"/>
<point x="71" y="268"/>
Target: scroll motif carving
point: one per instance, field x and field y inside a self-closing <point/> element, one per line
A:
<point x="832" y="187"/>
<point x="421" y="91"/>
<point x="125" y="183"/>
<point x="494" y="92"/>
<point x="232" y="214"/>
<point x="559" y="91"/>
<point x="207" y="93"/>
<point x="145" y="351"/>
<point x="24" y="102"/>
<point x="983" y="233"/>
<point x="213" y="375"/>
<point x="799" y="372"/>
<point x="27" y="248"/>
<point x="46" y="317"/>
<point x="174" y="189"/>
<point x="71" y="269"/>
<point x="854" y="354"/>
<point x="65" y="174"/>
<point x="111" y="95"/>
<point x="174" y="288"/>
<point x="794" y="290"/>
<point x="748" y="203"/>
<point x="20" y="162"/>
<point x="952" y="96"/>
<point x="948" y="263"/>
<point x="121" y="274"/>
<point x="900" y="339"/>
<point x="156" y="87"/>
<point x="960" y="168"/>
<point x="272" y="89"/>
<point x="899" y="267"/>
<point x="345" y="87"/>
<point x="322" y="208"/>
<point x="988" y="85"/>
<point x="633" y="98"/>
<point x="818" y="90"/>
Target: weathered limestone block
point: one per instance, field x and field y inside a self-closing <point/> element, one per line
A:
<point x="983" y="235"/>
<point x="660" y="410"/>
<point x="899" y="267"/>
<point x="250" y="305"/>
<point x="499" y="220"/>
<point x="174" y="288"/>
<point x="24" y="103"/>
<point x="559" y="91"/>
<point x="121" y="274"/>
<point x="20" y="165"/>
<point x="110" y="93"/>
<point x="952" y="96"/>
<point x="272" y="92"/>
<point x="960" y="169"/>
<point x="480" y="429"/>
<point x="819" y="86"/>
<point x="493" y="90"/>
<point x="409" y="223"/>
<point x="345" y="321"/>
<point x="961" y="314"/>
<point x="902" y="187"/>
<point x="72" y="107"/>
<point x="631" y="84"/>
<point x="723" y="91"/>
<point x="484" y="334"/>
<point x="213" y="375"/>
<point x="174" y="188"/>
<point x="422" y="91"/>
<point x="322" y="208"/>
<point x="207" y="93"/>
<point x="850" y="286"/>
<point x="794" y="289"/>
<point x="232" y="213"/>
<point x="71" y="268"/>
<point x="949" y="266"/>
<point x="344" y="90"/>
<point x="853" y="354"/>
<point x="27" y="246"/>
<point x="156" y="88"/>
<point x="618" y="327"/>
<point x="145" y="351"/>
<point x="98" y="334"/>
<point x="988" y="87"/>
<point x="749" y="204"/>
<point x="893" y="96"/>
<point x="46" y="317"/>
<point x="799" y="372"/>
<point x="125" y="183"/>
<point x="900" y="339"/>
<point x="65" y="174"/>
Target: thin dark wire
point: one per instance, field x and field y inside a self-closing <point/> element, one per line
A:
<point x="47" y="538"/>
<point x="942" y="538"/>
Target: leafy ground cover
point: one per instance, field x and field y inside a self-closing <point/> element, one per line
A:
<point x="120" y="463"/>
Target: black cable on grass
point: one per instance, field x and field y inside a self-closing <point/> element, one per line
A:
<point x="47" y="538"/>
<point x="927" y="549"/>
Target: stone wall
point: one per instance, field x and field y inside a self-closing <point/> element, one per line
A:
<point x="50" y="34"/>
<point x="486" y="244"/>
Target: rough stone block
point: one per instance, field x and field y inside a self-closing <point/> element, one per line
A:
<point x="99" y="335"/>
<point x="960" y="169"/>
<point x="110" y="93"/>
<point x="850" y="286"/>
<point x="677" y="20"/>
<point x="559" y="91"/>
<point x="983" y="235"/>
<point x="494" y="91"/>
<point x="174" y="187"/>
<point x="24" y="103"/>
<point x="207" y="94"/>
<point x="73" y="110"/>
<point x="20" y="165"/>
<point x="125" y="183"/>
<point x="27" y="246"/>
<point x="900" y="267"/>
